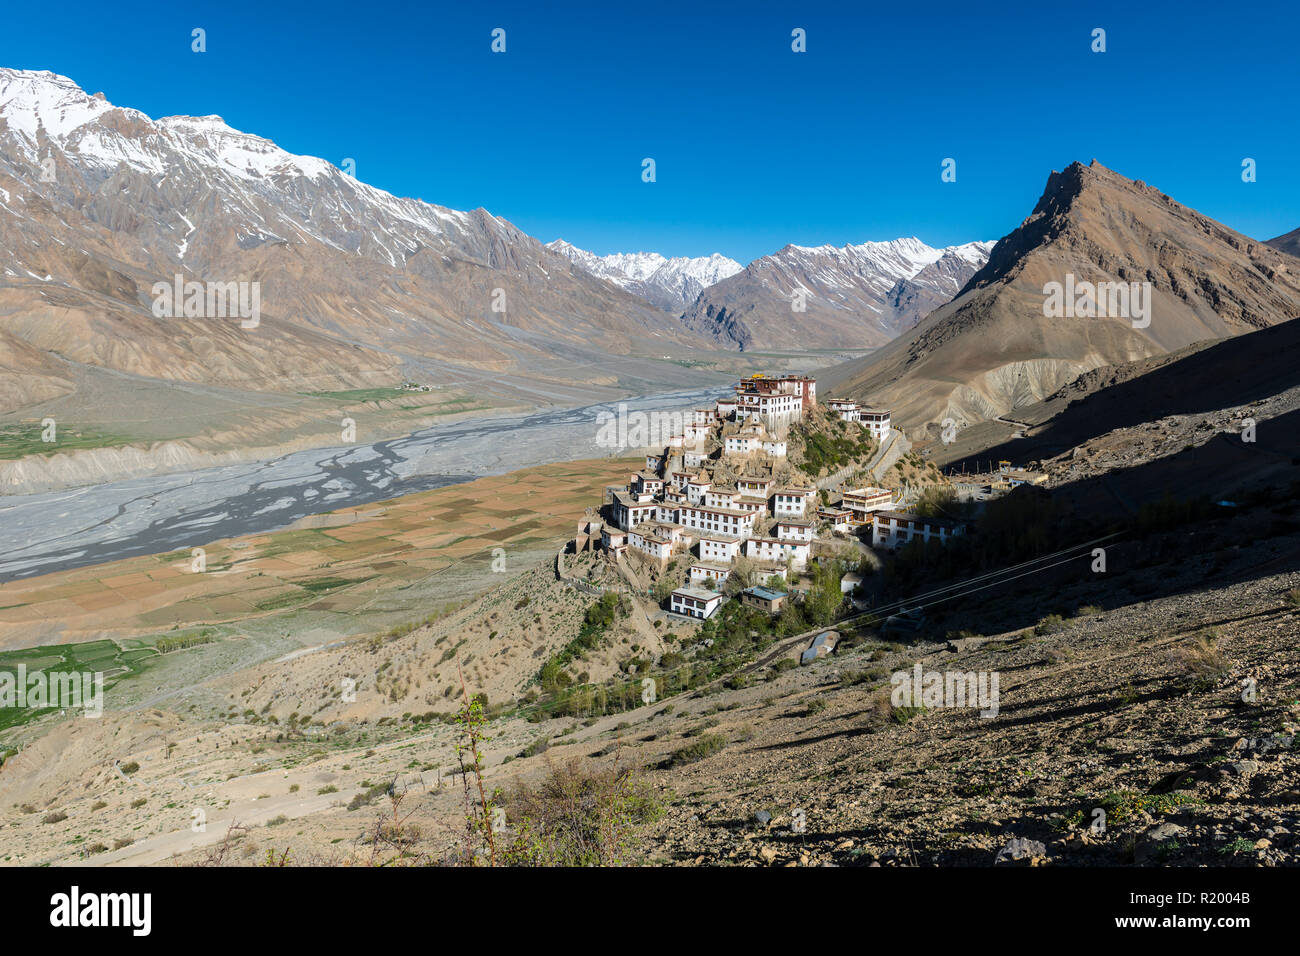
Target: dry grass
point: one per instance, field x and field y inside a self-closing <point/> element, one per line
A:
<point x="1200" y="659"/>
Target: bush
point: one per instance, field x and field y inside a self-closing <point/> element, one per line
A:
<point x="129" y="768"/>
<point x="366" y="797"/>
<point x="1123" y="806"/>
<point x="868" y="676"/>
<point x="538" y="746"/>
<point x="706" y="746"/>
<point x="577" y="816"/>
<point x="1049" y="625"/>
<point x="56" y="816"/>
<point x="937" y="501"/>
<point x="1201" y="660"/>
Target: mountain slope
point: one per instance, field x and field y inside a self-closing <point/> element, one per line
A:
<point x="1288" y="243"/>
<point x="855" y="296"/>
<point x="99" y="203"/>
<point x="992" y="349"/>
<point x="667" y="284"/>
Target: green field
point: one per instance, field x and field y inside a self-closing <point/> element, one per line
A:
<point x="116" y="662"/>
<point x="362" y="394"/>
<point x="19" y="441"/>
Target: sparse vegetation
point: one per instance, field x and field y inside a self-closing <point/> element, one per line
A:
<point x="706" y="746"/>
<point x="1201" y="660"/>
<point x="579" y="815"/>
<point x="1052" y="624"/>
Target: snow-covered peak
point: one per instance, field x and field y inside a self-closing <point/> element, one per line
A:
<point x="668" y="283"/>
<point x="264" y="192"/>
<point x="976" y="252"/>
<point x="79" y="123"/>
<point x="895" y="259"/>
<point x="31" y="100"/>
<point x="241" y="153"/>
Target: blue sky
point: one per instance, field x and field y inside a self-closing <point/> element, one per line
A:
<point x="755" y="146"/>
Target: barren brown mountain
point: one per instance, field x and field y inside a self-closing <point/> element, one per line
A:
<point x="1287" y="243"/>
<point x="992" y="349"/>
<point x="358" y="287"/>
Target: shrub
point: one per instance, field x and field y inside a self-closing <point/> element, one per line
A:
<point x="868" y="676"/>
<point x="1049" y="625"/>
<point x="901" y="715"/>
<point x="368" y="795"/>
<point x="706" y="746"/>
<point x="1201" y="660"/>
<point x="538" y="746"/>
<point x="577" y="816"/>
<point x="937" y="501"/>
<point x="1124" y="805"/>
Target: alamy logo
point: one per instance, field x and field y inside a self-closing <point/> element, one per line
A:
<point x="1100" y="300"/>
<point x="209" y="300"/>
<point x="103" y="909"/>
<point x="932" y="689"/>
<point x="65" y="689"/>
<point x="640" y="429"/>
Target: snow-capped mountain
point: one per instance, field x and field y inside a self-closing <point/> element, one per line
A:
<point x="668" y="284"/>
<point x="98" y="203"/>
<point x="852" y="296"/>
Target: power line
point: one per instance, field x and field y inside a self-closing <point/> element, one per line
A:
<point x="919" y="598"/>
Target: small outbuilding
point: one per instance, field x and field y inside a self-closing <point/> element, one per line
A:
<point x="821" y="646"/>
<point x="765" y="599"/>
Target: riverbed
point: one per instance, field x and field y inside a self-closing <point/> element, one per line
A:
<point x="75" y="528"/>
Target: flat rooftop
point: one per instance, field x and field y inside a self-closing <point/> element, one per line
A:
<point x="700" y="594"/>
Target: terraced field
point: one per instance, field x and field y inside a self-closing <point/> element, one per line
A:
<point x="329" y="577"/>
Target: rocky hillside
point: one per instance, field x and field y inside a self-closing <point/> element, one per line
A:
<point x="992" y="349"/>
<point x="1120" y="693"/>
